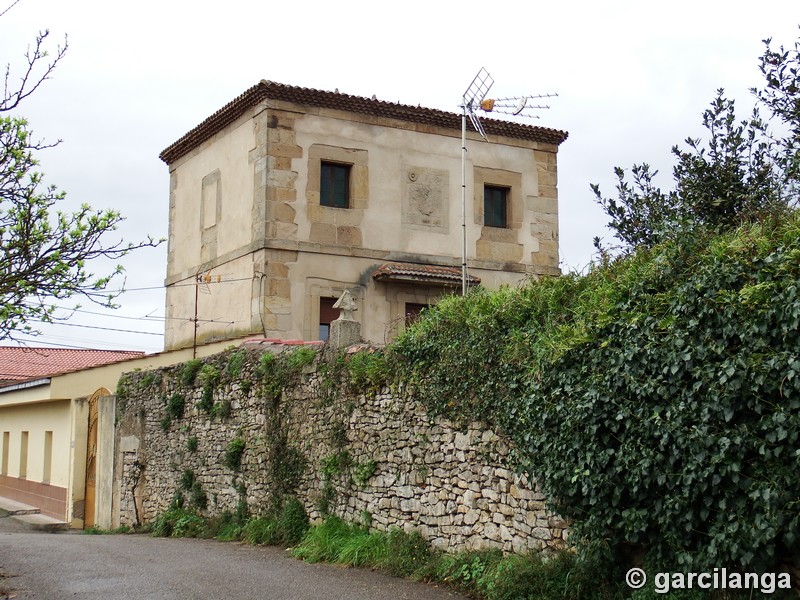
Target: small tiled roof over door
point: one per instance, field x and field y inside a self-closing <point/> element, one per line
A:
<point x="19" y="364"/>
<point x="417" y="273"/>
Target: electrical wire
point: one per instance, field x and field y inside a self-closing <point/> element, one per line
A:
<point x="44" y="341"/>
<point x="177" y="285"/>
<point x="41" y="339"/>
<point x="96" y="327"/>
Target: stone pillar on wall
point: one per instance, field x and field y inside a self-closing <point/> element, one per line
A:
<point x="345" y="331"/>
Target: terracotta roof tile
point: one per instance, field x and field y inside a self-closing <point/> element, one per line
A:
<point x="357" y="104"/>
<point x="395" y="271"/>
<point x="22" y="364"/>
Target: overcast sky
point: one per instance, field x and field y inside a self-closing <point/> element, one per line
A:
<point x="633" y="79"/>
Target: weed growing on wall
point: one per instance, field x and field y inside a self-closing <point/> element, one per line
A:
<point x="189" y="484"/>
<point x="176" y="406"/>
<point x="233" y="367"/>
<point x="233" y="454"/>
<point x="368" y="370"/>
<point x="363" y="472"/>
<point x="189" y="371"/>
<point x="209" y="378"/>
<point x="286" y="465"/>
<point x="221" y="409"/>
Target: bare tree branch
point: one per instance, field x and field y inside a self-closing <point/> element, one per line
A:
<point x="34" y="75"/>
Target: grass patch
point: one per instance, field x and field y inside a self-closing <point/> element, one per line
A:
<point x="95" y="530"/>
<point x="486" y="574"/>
<point x="480" y="574"/>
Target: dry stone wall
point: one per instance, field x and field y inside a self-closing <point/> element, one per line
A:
<point x="369" y="457"/>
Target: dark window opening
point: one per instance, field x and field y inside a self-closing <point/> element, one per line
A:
<point x="413" y="312"/>
<point x="495" y="206"/>
<point x="334" y="186"/>
<point x="327" y="314"/>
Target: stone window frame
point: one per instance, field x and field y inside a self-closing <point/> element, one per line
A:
<point x="512" y="181"/>
<point x="214" y="178"/>
<point x="336" y="226"/>
<point x="356" y="158"/>
<point x="208" y="233"/>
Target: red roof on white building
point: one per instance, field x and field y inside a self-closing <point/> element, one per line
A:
<point x="26" y="363"/>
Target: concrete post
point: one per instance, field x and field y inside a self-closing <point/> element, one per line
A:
<point x="345" y="331"/>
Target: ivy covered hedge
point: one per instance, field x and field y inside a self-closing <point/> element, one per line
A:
<point x="656" y="398"/>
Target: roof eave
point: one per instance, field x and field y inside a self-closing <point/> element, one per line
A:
<point x="354" y="104"/>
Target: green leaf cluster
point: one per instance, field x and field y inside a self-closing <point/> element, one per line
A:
<point x="747" y="170"/>
<point x="47" y="254"/>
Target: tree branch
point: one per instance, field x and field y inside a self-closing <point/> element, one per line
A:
<point x="31" y="79"/>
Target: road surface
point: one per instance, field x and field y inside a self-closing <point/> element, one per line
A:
<point x="71" y="565"/>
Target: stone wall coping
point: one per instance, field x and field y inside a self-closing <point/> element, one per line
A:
<point x="279" y="342"/>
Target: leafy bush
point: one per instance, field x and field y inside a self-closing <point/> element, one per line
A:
<point x="286" y="528"/>
<point x="558" y="575"/>
<point x="409" y="555"/>
<point x="209" y="375"/>
<point x="292" y="521"/>
<point x="655" y="398"/>
<point x="178" y="522"/>
<point x="261" y="531"/>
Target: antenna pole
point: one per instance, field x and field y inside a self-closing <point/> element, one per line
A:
<point x="464" y="197"/>
<point x="474" y="99"/>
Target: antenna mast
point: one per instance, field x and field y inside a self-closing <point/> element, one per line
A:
<point x="474" y="99"/>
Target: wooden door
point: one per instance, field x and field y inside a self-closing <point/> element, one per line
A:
<point x="91" y="459"/>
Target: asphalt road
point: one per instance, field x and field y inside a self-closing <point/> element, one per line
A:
<point x="56" y="566"/>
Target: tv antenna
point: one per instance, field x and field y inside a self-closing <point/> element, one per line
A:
<point x="474" y="100"/>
